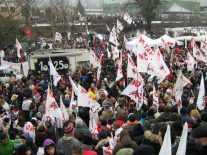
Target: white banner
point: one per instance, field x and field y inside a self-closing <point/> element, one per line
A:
<point x="201" y="95"/>
<point x="25" y="67"/>
<point x="127" y="18"/>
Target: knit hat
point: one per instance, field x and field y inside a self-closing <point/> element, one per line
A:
<point x="48" y="142"/>
<point x="199" y="132"/>
<point x="131" y="117"/>
<point x="107" y="106"/>
<point x="144" y="150"/>
<point x="68" y="129"/>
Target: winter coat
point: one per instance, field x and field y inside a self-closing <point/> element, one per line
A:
<point x="7" y="149"/>
<point x="106" y="114"/>
<point x="67" y="143"/>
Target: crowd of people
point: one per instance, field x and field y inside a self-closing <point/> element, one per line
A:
<point x="122" y="129"/>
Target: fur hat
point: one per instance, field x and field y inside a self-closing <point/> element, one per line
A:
<point x="199" y="132"/>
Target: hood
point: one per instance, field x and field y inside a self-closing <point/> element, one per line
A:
<point x="126" y="141"/>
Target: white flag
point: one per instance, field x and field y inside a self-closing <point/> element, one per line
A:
<point x="108" y="53"/>
<point x="115" y="52"/>
<point x="54" y="73"/>
<point x="94" y="59"/>
<point x="99" y="73"/>
<point x="181" y="82"/>
<point x="58" y="37"/>
<point x="155" y="97"/>
<point x="204" y="47"/>
<point x="63" y="110"/>
<point x="25" y="67"/>
<point x="79" y="14"/>
<point x="119" y="25"/>
<point x="83" y="97"/>
<point x="201" y="95"/>
<point x="127" y="18"/>
<point x="119" y="70"/>
<point x="183" y="141"/>
<point x="113" y="38"/>
<point x="51" y="107"/>
<point x="197" y="53"/>
<point x="134" y="90"/>
<point x="190" y="62"/>
<point x="125" y="39"/>
<point x="131" y="68"/>
<point x="166" y="146"/>
<point x="74" y="87"/>
<point x="18" y="47"/>
<point x="170" y="42"/>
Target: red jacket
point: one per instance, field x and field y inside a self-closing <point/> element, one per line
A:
<point x="89" y="152"/>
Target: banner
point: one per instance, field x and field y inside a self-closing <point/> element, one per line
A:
<point x="127" y="18"/>
<point x="131" y="68"/>
<point x="201" y="95"/>
<point x="25" y="67"/>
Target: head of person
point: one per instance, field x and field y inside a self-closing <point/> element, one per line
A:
<point x="162" y="131"/>
<point x="4" y="139"/>
<point x="199" y="134"/>
<point x="24" y="150"/>
<point x="49" y="147"/>
<point x="131" y="117"/>
<point x="68" y="128"/>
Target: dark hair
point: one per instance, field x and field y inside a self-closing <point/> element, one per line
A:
<point x="103" y="122"/>
<point x="3" y="135"/>
<point x="51" y="145"/>
<point x="173" y="133"/>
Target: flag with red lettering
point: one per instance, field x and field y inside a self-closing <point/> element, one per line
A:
<point x="83" y="97"/>
<point x="18" y="47"/>
<point x="190" y="62"/>
<point x="127" y="18"/>
<point x="134" y="90"/>
<point x="94" y="60"/>
<point x="201" y="95"/>
<point x="115" y="52"/>
<point x="51" y="106"/>
<point x="157" y="66"/>
<point x="181" y="82"/>
<point x="131" y="68"/>
<point x="63" y="110"/>
<point x="197" y="53"/>
<point x="170" y="42"/>
<point x="30" y="129"/>
<point x="119" y="25"/>
<point x="54" y="73"/>
<point x="112" y="37"/>
<point x="204" y="47"/>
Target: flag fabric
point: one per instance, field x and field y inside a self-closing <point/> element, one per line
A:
<point x="107" y="27"/>
<point x="197" y="53"/>
<point x="134" y="90"/>
<point x="170" y="42"/>
<point x="51" y="106"/>
<point x="72" y="101"/>
<point x="157" y="66"/>
<point x="131" y="68"/>
<point x="119" y="70"/>
<point x="58" y="37"/>
<point x="18" y="47"/>
<point x="83" y="97"/>
<point x="190" y="62"/>
<point x="181" y="82"/>
<point x="119" y="25"/>
<point x="127" y="18"/>
<point x="155" y="97"/>
<point x="99" y="74"/>
<point x="166" y="145"/>
<point x="54" y="73"/>
<point x="203" y="47"/>
<point x="74" y="87"/>
<point x="125" y="39"/>
<point x="201" y="95"/>
<point x="183" y="141"/>
<point x="25" y="67"/>
<point x="115" y="52"/>
<point x="113" y="38"/>
<point x="63" y="110"/>
<point x="94" y="60"/>
<point x="108" y="53"/>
